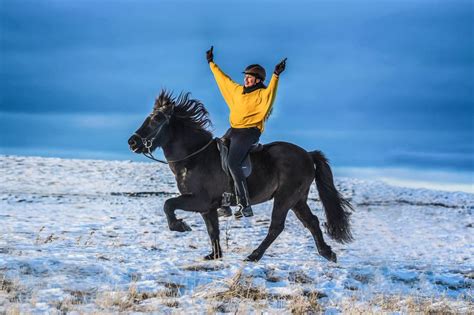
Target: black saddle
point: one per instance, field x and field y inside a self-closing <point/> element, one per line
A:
<point x="223" y="146"/>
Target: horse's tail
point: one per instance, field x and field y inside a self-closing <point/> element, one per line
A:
<point x="336" y="207"/>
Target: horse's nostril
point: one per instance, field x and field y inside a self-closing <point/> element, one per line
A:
<point x="131" y="141"/>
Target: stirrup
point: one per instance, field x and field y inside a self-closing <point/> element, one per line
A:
<point x="243" y="212"/>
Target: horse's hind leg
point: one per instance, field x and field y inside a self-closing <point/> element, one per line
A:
<point x="212" y="224"/>
<point x="311" y="222"/>
<point x="279" y="213"/>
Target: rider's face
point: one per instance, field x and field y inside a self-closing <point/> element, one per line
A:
<point x="250" y="80"/>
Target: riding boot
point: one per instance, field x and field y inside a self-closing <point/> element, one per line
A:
<point x="241" y="140"/>
<point x="245" y="210"/>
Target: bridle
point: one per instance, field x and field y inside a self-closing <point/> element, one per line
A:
<point x="148" y="143"/>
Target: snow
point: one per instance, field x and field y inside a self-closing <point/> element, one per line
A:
<point x="89" y="236"/>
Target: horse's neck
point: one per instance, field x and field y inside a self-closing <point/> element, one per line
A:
<point x="183" y="144"/>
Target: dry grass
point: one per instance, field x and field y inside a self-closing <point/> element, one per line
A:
<point x="132" y="299"/>
<point x="11" y="295"/>
<point x="241" y="296"/>
<point x="234" y="296"/>
<point x="406" y="304"/>
<point x="14" y="310"/>
<point x="12" y="290"/>
<point x="306" y="304"/>
<point x="239" y="287"/>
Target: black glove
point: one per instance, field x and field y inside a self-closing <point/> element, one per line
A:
<point x="279" y="68"/>
<point x="210" y="55"/>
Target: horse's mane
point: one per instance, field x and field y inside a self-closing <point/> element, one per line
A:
<point x="190" y="112"/>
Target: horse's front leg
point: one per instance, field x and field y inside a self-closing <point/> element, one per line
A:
<point x="212" y="224"/>
<point x="187" y="202"/>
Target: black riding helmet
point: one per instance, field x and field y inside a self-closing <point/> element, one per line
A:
<point x="257" y="71"/>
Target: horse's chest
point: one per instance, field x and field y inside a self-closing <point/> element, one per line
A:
<point x="183" y="178"/>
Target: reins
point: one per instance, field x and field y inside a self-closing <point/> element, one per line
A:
<point x="151" y="157"/>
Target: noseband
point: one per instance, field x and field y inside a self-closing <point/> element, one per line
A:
<point x="148" y="140"/>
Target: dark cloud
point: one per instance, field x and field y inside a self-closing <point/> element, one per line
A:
<point x="365" y="65"/>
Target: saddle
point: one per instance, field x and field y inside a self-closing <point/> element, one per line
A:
<point x="223" y="147"/>
<point x="229" y="198"/>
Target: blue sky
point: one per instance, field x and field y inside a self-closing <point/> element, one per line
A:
<point x="371" y="83"/>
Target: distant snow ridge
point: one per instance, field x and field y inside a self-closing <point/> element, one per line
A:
<point x="90" y="236"/>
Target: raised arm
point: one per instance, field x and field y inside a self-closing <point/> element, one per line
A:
<point x="272" y="88"/>
<point x="270" y="94"/>
<point x="224" y="82"/>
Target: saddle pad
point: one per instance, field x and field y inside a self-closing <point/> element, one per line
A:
<point x="224" y="153"/>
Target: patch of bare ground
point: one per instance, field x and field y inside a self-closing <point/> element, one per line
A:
<point x="271" y="276"/>
<point x="203" y="267"/>
<point x="406" y="304"/>
<point x="299" y="277"/>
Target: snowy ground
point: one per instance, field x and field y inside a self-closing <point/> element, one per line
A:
<point x="90" y="236"/>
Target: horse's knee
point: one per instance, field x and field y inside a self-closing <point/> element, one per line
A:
<point x="168" y="207"/>
<point x="277" y="228"/>
<point x="213" y="230"/>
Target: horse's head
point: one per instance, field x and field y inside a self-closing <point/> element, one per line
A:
<point x="153" y="132"/>
<point x="171" y="118"/>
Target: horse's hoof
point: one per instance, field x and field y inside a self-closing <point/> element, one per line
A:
<point x="213" y="256"/>
<point x="252" y="258"/>
<point x="329" y="255"/>
<point x="180" y="226"/>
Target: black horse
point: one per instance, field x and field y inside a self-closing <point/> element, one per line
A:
<point x="281" y="171"/>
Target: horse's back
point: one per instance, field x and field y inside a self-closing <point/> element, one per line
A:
<point x="283" y="145"/>
<point x="288" y="152"/>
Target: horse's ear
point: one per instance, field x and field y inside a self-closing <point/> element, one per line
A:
<point x="158" y="102"/>
<point x="162" y="101"/>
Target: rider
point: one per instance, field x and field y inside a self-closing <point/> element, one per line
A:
<point x="250" y="106"/>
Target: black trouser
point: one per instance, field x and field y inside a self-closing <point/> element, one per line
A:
<point x="241" y="139"/>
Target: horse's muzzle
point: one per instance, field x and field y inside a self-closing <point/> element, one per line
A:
<point x="135" y="144"/>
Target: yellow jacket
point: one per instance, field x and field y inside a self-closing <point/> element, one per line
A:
<point x="246" y="110"/>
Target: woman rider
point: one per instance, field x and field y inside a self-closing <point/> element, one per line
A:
<point x="250" y="106"/>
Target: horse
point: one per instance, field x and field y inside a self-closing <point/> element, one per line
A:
<point x="281" y="171"/>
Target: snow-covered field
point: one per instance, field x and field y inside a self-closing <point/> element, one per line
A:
<point x="90" y="236"/>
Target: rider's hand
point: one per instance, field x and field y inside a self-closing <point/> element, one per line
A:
<point x="279" y="68"/>
<point x="210" y="55"/>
